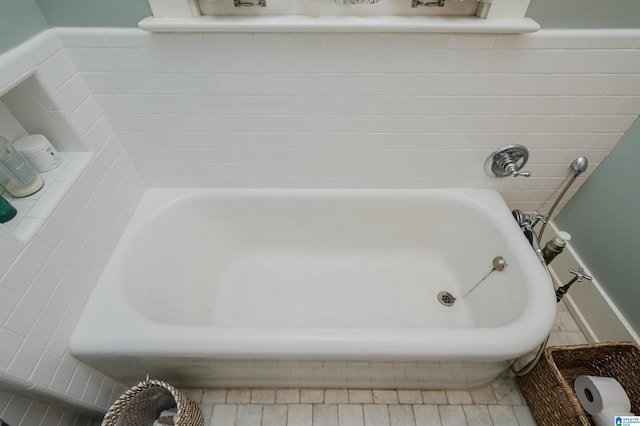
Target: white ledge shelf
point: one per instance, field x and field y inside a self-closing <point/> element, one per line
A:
<point x="345" y="23"/>
<point x="35" y="209"/>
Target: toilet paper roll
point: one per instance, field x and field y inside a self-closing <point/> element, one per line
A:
<point x="601" y="394"/>
<point x="607" y="418"/>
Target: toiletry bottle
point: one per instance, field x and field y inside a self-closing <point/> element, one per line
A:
<point x="16" y="174"/>
<point x="7" y="211"/>
<point x="39" y="152"/>
<point x="555" y="246"/>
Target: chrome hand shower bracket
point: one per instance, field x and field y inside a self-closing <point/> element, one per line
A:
<point x="507" y="161"/>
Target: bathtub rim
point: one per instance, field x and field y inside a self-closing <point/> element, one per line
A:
<point x="95" y="335"/>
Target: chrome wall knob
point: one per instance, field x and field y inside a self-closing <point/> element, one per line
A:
<point x="507" y="161"/>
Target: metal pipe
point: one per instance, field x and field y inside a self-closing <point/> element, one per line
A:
<point x="532" y="363"/>
<point x="555" y="204"/>
<point x="578" y="166"/>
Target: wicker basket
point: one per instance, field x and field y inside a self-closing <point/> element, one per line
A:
<point x="141" y="405"/>
<point x="548" y="388"/>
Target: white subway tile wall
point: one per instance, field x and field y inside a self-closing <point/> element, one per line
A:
<point x="46" y="281"/>
<point x="361" y="110"/>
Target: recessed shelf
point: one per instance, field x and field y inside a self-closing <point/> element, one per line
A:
<point x="34" y="210"/>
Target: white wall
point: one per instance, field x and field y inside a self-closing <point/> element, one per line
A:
<point x="45" y="282"/>
<point x="360" y="110"/>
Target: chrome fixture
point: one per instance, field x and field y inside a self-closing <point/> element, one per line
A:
<point x="560" y="292"/>
<point x="528" y="219"/>
<point x="428" y="3"/>
<point x="498" y="264"/>
<point x="244" y="3"/>
<point x="526" y="222"/>
<point x="507" y="161"/>
<point x="579" y="276"/>
<point x="446" y="299"/>
<point x="579" y="165"/>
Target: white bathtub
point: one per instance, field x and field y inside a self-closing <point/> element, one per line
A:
<point x="316" y="288"/>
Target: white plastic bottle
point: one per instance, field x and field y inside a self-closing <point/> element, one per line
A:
<point x="16" y="174"/>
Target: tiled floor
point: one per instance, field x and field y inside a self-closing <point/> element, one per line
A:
<point x="498" y="403"/>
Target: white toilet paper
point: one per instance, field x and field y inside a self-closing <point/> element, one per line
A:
<point x="607" y="418"/>
<point x="601" y="394"/>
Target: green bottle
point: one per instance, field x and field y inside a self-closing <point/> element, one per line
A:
<point x="7" y="211"/>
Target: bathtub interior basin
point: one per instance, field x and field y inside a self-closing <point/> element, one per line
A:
<point x="318" y="274"/>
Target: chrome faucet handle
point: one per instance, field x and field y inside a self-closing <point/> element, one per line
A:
<point x="507" y="161"/>
<point x="513" y="170"/>
<point x="580" y="275"/>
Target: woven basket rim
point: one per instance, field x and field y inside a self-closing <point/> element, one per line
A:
<point x="549" y="352"/>
<point x="119" y="405"/>
<point x="622" y="343"/>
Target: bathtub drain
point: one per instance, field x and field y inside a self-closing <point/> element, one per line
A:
<point x="445" y="298"/>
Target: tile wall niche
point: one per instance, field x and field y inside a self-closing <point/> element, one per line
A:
<point x="26" y="109"/>
<point x="47" y="274"/>
<point x="361" y="110"/>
